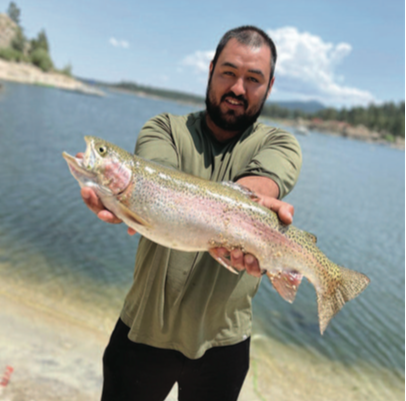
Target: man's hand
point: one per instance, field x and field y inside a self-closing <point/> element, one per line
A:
<point x="267" y="192"/>
<point x="284" y="210"/>
<point x="93" y="202"/>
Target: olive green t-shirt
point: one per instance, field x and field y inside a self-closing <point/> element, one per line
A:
<point x="186" y="301"/>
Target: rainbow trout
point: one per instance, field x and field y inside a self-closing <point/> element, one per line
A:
<point x="188" y="213"/>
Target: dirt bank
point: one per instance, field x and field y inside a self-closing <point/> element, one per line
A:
<point x="30" y="74"/>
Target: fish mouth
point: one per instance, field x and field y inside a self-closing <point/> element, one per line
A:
<point x="81" y="166"/>
<point x="77" y="166"/>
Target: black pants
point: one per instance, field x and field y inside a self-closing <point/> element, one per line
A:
<point x="138" y="372"/>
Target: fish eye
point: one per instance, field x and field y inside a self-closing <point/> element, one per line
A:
<point x="102" y="150"/>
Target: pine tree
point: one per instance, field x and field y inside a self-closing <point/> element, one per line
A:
<point x="14" y="12"/>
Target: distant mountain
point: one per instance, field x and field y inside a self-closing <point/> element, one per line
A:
<point x="304" y="106"/>
<point x="310" y="106"/>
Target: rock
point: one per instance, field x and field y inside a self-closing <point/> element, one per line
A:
<point x="8" y="29"/>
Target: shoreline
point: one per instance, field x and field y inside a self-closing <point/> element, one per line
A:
<point x="58" y="356"/>
<point x="300" y="126"/>
<point x="52" y="354"/>
<point x="29" y="74"/>
<point x="339" y="128"/>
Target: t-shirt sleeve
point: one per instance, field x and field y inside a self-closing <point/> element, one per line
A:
<point x="279" y="158"/>
<point x="155" y="142"/>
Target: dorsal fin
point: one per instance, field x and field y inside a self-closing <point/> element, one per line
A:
<point x="310" y="236"/>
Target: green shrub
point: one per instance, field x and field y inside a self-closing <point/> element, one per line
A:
<point x="67" y="70"/>
<point x="11" y="54"/>
<point x="19" y="41"/>
<point x="41" y="59"/>
<point x="389" y="137"/>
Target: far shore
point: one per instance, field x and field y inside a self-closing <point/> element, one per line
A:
<point x="30" y="74"/>
<point x="340" y="128"/>
<point x="301" y="126"/>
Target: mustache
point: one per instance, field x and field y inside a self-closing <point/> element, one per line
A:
<point x="240" y="98"/>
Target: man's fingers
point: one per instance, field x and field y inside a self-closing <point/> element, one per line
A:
<point x="92" y="200"/>
<point x="237" y="259"/>
<point x="108" y="217"/>
<point x="252" y="266"/>
<point x="284" y="210"/>
<point x="241" y="261"/>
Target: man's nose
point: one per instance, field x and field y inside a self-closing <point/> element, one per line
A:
<point x="238" y="87"/>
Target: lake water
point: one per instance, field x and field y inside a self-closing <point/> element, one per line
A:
<point x="57" y="255"/>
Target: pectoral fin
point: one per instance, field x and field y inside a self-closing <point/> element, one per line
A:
<point x="132" y="216"/>
<point x="222" y="260"/>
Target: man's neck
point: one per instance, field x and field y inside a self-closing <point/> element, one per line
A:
<point x="220" y="134"/>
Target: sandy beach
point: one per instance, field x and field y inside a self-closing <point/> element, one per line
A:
<point x="57" y="357"/>
<point x="51" y="358"/>
<point x="54" y="358"/>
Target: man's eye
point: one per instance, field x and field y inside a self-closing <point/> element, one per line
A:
<point x="252" y="79"/>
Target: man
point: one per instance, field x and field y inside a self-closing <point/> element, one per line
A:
<point x="187" y="319"/>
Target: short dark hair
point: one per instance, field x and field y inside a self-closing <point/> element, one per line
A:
<point x="251" y="36"/>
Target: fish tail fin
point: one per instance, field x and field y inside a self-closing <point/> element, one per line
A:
<point x="349" y="285"/>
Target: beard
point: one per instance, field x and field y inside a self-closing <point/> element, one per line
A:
<point x="230" y="121"/>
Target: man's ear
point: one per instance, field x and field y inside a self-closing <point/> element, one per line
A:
<point x="210" y="68"/>
<point x="270" y="87"/>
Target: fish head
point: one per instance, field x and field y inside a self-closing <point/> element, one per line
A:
<point x="104" y="166"/>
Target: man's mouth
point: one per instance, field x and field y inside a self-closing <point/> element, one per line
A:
<point x="234" y="101"/>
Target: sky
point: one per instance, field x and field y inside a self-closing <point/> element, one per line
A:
<point x="342" y="53"/>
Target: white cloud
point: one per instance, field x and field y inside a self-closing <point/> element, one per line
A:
<point x="199" y="60"/>
<point x="119" y="43"/>
<point x="305" y="70"/>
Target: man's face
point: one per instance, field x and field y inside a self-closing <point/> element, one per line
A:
<point x="238" y="86"/>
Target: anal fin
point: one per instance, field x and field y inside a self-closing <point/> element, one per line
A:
<point x="286" y="283"/>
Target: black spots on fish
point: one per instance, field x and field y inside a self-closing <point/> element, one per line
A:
<point x="283" y="229"/>
<point x="311" y="237"/>
<point x="306" y="240"/>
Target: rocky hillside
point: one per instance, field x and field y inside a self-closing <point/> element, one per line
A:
<point x="8" y="29"/>
<point x="28" y="73"/>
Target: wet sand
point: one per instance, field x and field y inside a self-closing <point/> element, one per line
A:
<point x="56" y="356"/>
<point x="53" y="357"/>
